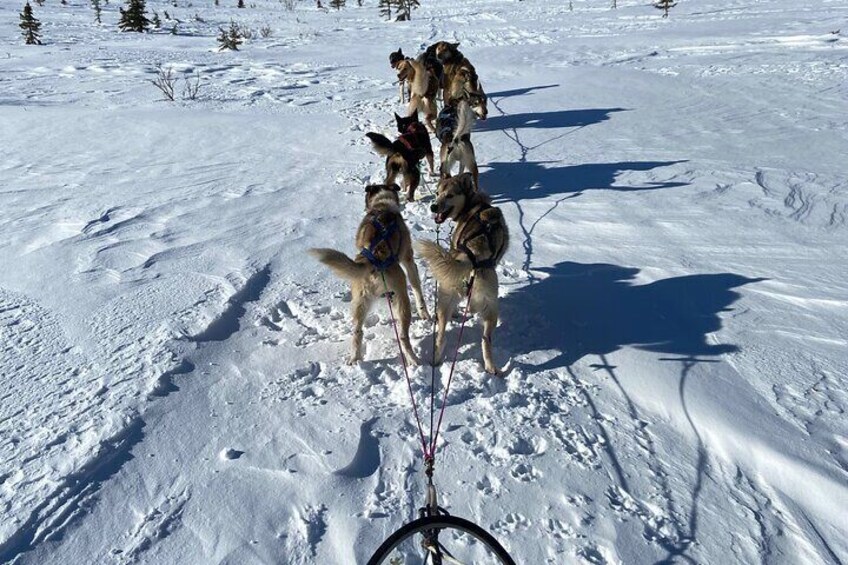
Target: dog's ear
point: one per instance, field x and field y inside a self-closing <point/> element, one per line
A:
<point x="466" y="181"/>
<point x="394" y="187"/>
<point x="372" y="188"/>
<point x="400" y="51"/>
<point x="454" y="45"/>
<point x="397" y="118"/>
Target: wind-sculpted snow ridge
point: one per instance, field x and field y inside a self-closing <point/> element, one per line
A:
<point x="673" y="305"/>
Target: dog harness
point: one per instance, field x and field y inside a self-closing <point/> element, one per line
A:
<point x="414" y="139"/>
<point x="383" y="235"/>
<point x="446" y="123"/>
<point x="486" y="229"/>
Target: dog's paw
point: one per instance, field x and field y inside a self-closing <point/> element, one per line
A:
<point x="424" y="314"/>
<point x="353" y="359"/>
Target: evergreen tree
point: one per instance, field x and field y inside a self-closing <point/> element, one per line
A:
<point x="39" y="2"/>
<point x="230" y="39"/>
<point x="241" y="3"/>
<point x="134" y="18"/>
<point x="665" y="6"/>
<point x="385" y="7"/>
<point x="96" y="5"/>
<point x="30" y="25"/>
<point x="337" y="4"/>
<point x="157" y="23"/>
<point x="404" y="9"/>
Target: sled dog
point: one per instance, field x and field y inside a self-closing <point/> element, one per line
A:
<point x="453" y="128"/>
<point x="384" y="246"/>
<point x="394" y="59"/>
<point x="480" y="239"/>
<point x="423" y="87"/>
<point x="459" y="76"/>
<point x="404" y="154"/>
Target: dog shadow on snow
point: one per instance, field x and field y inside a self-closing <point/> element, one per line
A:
<point x="582" y="309"/>
<point x="529" y="180"/>
<point x="576" y="309"/>
<point x="547" y="120"/>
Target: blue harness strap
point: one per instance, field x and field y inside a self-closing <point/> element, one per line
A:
<point x="446" y="123"/>
<point x="383" y="235"/>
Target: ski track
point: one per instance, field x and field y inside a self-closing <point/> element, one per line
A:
<point x="582" y="441"/>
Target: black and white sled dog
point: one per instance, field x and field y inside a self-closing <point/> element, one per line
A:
<point x="453" y="128"/>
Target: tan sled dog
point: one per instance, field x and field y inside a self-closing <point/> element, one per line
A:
<point x="480" y="239"/>
<point x="385" y="245"/>
<point x="459" y="77"/>
<point x="423" y="87"/>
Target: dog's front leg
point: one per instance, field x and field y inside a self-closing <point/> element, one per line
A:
<point x="414" y="103"/>
<point x="430" y="112"/>
<point x="472" y="166"/>
<point x="444" y="165"/>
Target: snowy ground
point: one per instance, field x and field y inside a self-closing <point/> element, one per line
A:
<point x="674" y="302"/>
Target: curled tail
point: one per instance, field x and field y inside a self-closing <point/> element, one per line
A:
<point x="381" y="143"/>
<point x="447" y="270"/>
<point x="341" y="264"/>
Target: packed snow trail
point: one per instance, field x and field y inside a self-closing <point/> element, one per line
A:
<point x="674" y="303"/>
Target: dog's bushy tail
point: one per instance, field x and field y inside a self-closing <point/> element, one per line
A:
<point x="341" y="264"/>
<point x="422" y="77"/>
<point x="447" y="270"/>
<point x="381" y="143"/>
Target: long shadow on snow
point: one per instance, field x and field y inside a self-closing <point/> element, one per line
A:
<point x="519" y="91"/>
<point x="517" y="181"/>
<point x="547" y="120"/>
<point x="581" y="309"/>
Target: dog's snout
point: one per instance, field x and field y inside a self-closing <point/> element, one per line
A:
<point x="434" y="208"/>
